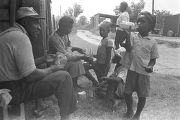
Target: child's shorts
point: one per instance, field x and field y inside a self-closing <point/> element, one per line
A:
<point x="137" y="82"/>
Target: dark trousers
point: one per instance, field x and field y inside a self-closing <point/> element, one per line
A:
<point x="111" y="89"/>
<point x="99" y="69"/>
<point x="58" y="83"/>
<point x="120" y="37"/>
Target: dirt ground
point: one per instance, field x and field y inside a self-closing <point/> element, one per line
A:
<point x="163" y="103"/>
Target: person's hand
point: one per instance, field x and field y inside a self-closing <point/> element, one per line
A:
<point x="49" y="58"/>
<point x="88" y="58"/>
<point x="55" y="68"/>
<point x="149" y="69"/>
<point x="104" y="78"/>
<point x="80" y="50"/>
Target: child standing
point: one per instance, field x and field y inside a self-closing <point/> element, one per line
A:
<point x="143" y="52"/>
<point x="102" y="65"/>
<point x="123" y="17"/>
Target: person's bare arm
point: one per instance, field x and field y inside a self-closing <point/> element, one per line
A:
<point x="80" y="50"/>
<point x="108" y="59"/>
<point x="150" y="66"/>
<point x="127" y="44"/>
<point x="39" y="74"/>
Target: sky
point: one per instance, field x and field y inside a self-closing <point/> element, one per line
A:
<point x="92" y="7"/>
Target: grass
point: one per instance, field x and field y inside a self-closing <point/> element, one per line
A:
<point x="163" y="103"/>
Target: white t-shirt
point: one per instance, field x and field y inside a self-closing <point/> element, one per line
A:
<point x="16" y="57"/>
<point x="123" y="17"/>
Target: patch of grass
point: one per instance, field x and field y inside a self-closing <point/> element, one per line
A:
<point x="163" y="104"/>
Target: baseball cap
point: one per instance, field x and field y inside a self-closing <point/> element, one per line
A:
<point x="27" y="11"/>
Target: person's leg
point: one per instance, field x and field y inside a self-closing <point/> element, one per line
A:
<point x="58" y="83"/>
<point x="143" y="88"/>
<point x="129" y="101"/>
<point x="140" y="106"/>
<point x="75" y="69"/>
<point x="129" y="88"/>
<point x="99" y="69"/>
<point x="112" y="87"/>
<point x="89" y="75"/>
<point x="119" y="38"/>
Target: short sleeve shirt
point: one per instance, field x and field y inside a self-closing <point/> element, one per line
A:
<point x="102" y="48"/>
<point x="60" y="44"/>
<point x="123" y="17"/>
<point x="16" y="58"/>
<point x="143" y="49"/>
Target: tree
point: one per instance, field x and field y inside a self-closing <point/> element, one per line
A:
<point x="159" y="17"/>
<point x="133" y="10"/>
<point x="75" y="11"/>
<point x="136" y="8"/>
<point x="82" y="20"/>
<point x="116" y="10"/>
<point x="69" y="12"/>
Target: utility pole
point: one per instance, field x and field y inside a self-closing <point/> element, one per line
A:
<point x="60" y="11"/>
<point x="153" y="7"/>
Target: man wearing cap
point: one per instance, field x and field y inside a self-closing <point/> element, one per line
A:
<point x="18" y="71"/>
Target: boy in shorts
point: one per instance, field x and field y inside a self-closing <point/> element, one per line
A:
<point x="143" y="52"/>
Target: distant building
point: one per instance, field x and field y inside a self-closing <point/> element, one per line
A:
<point x="99" y="17"/>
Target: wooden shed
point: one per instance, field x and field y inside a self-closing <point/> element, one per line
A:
<point x="96" y="19"/>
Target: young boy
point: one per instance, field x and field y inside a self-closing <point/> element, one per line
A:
<point x="102" y="65"/>
<point x="143" y="53"/>
<point x="115" y="82"/>
<point x="123" y="17"/>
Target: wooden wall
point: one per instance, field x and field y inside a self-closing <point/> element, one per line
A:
<point x="7" y="19"/>
<point x="4" y="13"/>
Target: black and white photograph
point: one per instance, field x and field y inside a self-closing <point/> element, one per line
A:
<point x="89" y="60"/>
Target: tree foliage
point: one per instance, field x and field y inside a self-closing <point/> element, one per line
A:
<point x="82" y="20"/>
<point x="74" y="11"/>
<point x="116" y="10"/>
<point x="133" y="10"/>
<point x="136" y="8"/>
